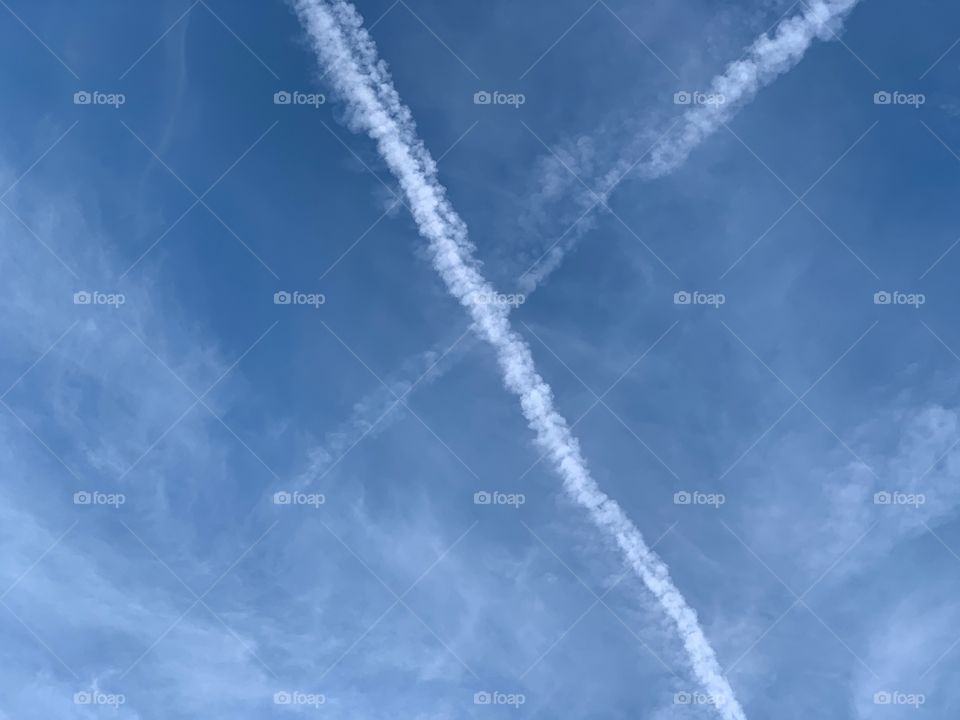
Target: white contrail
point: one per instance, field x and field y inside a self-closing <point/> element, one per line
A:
<point x="767" y="57"/>
<point x="770" y="56"/>
<point x="349" y="55"/>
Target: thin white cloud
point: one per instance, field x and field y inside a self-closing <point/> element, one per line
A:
<point x="652" y="154"/>
<point x="98" y="400"/>
<point x="349" y="55"/>
<point x="768" y="57"/>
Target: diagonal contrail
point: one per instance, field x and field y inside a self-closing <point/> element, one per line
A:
<point x="349" y="55"/>
<point x="768" y="57"/>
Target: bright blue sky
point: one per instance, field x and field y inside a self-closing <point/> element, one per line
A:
<point x="199" y="398"/>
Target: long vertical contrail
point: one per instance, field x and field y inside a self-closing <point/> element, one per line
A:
<point x="349" y="55"/>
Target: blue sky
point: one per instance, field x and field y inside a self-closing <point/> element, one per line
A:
<point x="183" y="398"/>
